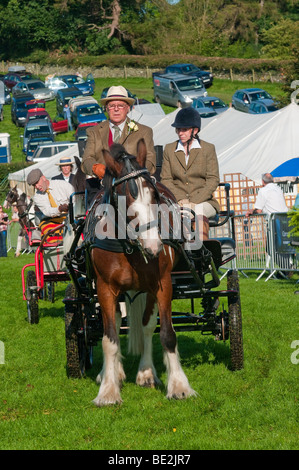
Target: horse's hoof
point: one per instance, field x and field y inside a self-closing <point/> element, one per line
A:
<point x="100" y="402"/>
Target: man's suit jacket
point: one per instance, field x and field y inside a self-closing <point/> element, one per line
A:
<point x="195" y="181"/>
<point x="98" y="138"/>
<point x="60" y="177"/>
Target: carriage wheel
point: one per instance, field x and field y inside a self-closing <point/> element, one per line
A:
<point x="235" y="322"/>
<point x="51" y="291"/>
<point x="32" y="298"/>
<point x="78" y="353"/>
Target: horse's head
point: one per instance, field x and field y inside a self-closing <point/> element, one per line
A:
<point x="12" y="196"/>
<point x="127" y="176"/>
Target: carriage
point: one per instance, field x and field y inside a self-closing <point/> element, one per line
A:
<point x="39" y="278"/>
<point x="92" y="299"/>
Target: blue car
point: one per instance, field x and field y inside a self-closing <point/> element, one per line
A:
<point x="242" y="98"/>
<point x="85" y="86"/>
<point x="262" y="106"/>
<point x="87" y="113"/>
<point x="212" y="102"/>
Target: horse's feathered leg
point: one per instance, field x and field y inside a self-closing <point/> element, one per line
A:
<point x="177" y="384"/>
<point x="143" y="321"/>
<point x="109" y="392"/>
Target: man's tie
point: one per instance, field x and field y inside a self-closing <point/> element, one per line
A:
<point x="51" y="199"/>
<point x="116" y="136"/>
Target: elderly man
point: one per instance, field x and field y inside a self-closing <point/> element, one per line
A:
<point x="118" y="129"/>
<point x="270" y="198"/>
<point x="51" y="197"/>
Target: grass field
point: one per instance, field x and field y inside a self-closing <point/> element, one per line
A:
<point x="255" y="408"/>
<point x="143" y="88"/>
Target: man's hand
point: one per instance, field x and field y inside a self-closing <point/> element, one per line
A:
<point x="63" y="208"/>
<point x="98" y="169"/>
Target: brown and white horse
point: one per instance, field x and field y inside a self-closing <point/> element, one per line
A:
<point x="145" y="268"/>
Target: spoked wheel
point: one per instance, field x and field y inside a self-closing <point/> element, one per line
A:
<point x="235" y="322"/>
<point x="78" y="352"/>
<point x="32" y="298"/>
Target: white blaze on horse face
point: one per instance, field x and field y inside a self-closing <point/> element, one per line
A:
<point x="146" y="215"/>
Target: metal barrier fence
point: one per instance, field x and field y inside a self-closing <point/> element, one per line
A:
<point x="262" y="244"/>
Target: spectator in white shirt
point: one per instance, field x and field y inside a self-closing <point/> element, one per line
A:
<point x="270" y="198"/>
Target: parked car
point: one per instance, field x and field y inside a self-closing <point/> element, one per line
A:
<point x="34" y="141"/>
<point x="80" y="133"/>
<point x="177" y="90"/>
<point x="5" y="92"/>
<point x="204" y="111"/>
<point x="63" y="97"/>
<point x="87" y="113"/>
<point x="59" y="126"/>
<point x="12" y="78"/>
<point x="19" y="108"/>
<point x="47" y="150"/>
<point x="36" y="87"/>
<point x="37" y="126"/>
<point x="86" y="86"/>
<point x="212" y="102"/>
<point x="242" y="98"/>
<point x="262" y="106"/>
<point x="190" y="69"/>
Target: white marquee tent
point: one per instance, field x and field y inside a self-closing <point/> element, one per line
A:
<point x="245" y="143"/>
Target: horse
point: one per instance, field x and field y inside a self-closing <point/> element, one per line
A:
<point x="16" y="195"/>
<point x="144" y="265"/>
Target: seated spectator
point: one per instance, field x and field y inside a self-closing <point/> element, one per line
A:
<point x="270" y="198"/>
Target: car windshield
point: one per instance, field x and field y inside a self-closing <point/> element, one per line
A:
<point x="35" y="130"/>
<point x="74" y="80"/>
<point x="90" y="110"/>
<point x="259" y="95"/>
<point x="189" y="68"/>
<point x="215" y="103"/>
<point x="198" y="104"/>
<point x="189" y="84"/>
<point x="36" y="85"/>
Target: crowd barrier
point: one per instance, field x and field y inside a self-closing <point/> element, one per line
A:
<point x="262" y="244"/>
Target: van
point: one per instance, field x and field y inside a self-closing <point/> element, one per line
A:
<point x="177" y="89"/>
<point x="49" y="149"/>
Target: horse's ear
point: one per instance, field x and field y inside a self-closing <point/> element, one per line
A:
<point x="111" y="164"/>
<point x="141" y="153"/>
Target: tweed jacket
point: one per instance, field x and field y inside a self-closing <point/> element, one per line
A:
<point x="195" y="181"/>
<point x="97" y="140"/>
<point x="60" y="177"/>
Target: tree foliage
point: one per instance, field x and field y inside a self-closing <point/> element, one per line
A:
<point x="224" y="28"/>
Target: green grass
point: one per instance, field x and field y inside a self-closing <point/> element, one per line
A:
<point x="143" y="88"/>
<point x="255" y="408"/>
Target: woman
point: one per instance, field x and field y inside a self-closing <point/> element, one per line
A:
<point x="3" y="233"/>
<point x="190" y="166"/>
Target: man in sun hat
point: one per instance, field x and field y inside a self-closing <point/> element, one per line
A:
<point x="66" y="167"/>
<point x="117" y="129"/>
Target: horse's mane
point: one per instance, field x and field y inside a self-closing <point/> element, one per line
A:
<point x="118" y="152"/>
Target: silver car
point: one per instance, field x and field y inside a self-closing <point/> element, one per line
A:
<point x="242" y="99"/>
<point x="36" y="87"/>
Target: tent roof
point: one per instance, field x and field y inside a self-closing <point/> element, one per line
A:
<point x="245" y="143"/>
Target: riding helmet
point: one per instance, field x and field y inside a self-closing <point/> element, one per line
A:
<point x="187" y="118"/>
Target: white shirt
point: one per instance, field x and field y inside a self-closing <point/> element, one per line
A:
<point x="270" y="199"/>
<point x="194" y="145"/>
<point x="61" y="192"/>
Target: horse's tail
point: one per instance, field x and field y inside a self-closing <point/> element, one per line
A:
<point x="135" y="308"/>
